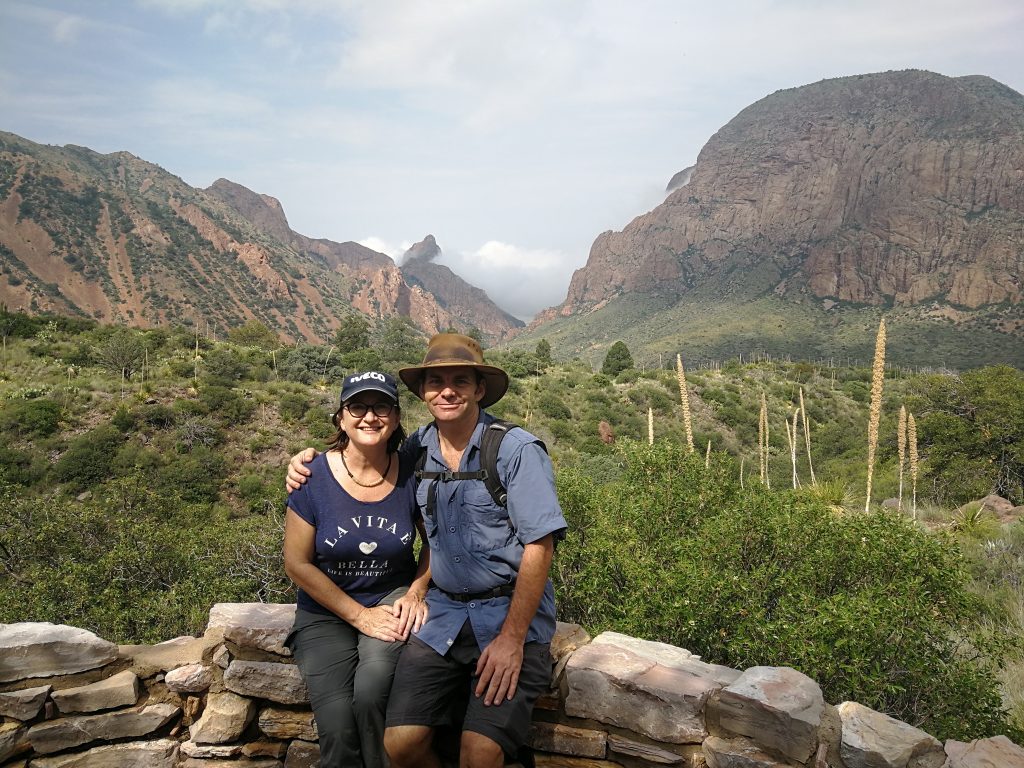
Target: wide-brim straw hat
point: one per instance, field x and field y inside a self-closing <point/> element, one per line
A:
<point x="450" y="350"/>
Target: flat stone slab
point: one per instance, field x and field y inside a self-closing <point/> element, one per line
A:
<point x="567" y="740"/>
<point x="161" y="753"/>
<point x="777" y="707"/>
<point x="997" y="752"/>
<point x="256" y="762"/>
<point x="68" y="732"/>
<point x="120" y="690"/>
<point x="40" y="649"/>
<point x="287" y="724"/>
<point x="649" y="753"/>
<point x="12" y="740"/>
<point x="24" y="705"/>
<point x="280" y="683"/>
<point x="302" y="754"/>
<point x="264" y="626"/>
<point x="192" y="749"/>
<point x="874" y="740"/>
<point x="653" y="689"/>
<point x="223" y="720"/>
<point x="148" y="660"/>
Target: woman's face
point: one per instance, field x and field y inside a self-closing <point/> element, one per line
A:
<point x="374" y="421"/>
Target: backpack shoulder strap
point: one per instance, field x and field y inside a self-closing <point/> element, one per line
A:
<point x="489" y="445"/>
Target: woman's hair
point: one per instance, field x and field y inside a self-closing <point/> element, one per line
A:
<point x="340" y="438"/>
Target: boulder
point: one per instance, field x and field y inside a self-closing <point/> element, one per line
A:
<point x="997" y="752"/>
<point x="873" y="740"/>
<point x="41" y="649"/>
<point x="148" y="660"/>
<point x="120" y="690"/>
<point x="162" y="753"/>
<point x="24" y="705"/>
<point x="651" y="688"/>
<point x="263" y="626"/>
<point x="68" y="732"/>
<point x="225" y="717"/>
<point x="281" y="683"/>
<point x="777" y="707"/>
<point x="192" y="678"/>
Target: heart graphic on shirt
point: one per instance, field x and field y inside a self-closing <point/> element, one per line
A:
<point x="366" y="547"/>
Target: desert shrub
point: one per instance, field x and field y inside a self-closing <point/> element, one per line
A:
<point x="124" y="419"/>
<point x="226" y="404"/>
<point x="89" y="458"/>
<point x="223" y="366"/>
<point x="30" y="418"/>
<point x="195" y="476"/>
<point x="156" y="415"/>
<point x="617" y="360"/>
<point x="20" y="467"/>
<point x="554" y="408"/>
<point x="293" y="406"/>
<point x="871" y="607"/>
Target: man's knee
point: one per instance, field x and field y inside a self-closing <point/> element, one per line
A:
<point x="408" y="745"/>
<point x="479" y="751"/>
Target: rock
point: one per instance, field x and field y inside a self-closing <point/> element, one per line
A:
<point x="779" y="708"/>
<point x="225" y="717"/>
<point x="162" y="753"/>
<point x="621" y="747"/>
<point x="68" y="732"/>
<point x="264" y="626"/>
<point x="997" y="752"/>
<point x="148" y="660"/>
<point x="222" y="657"/>
<point x="739" y="753"/>
<point x="302" y="754"/>
<point x="281" y="683"/>
<point x="264" y="748"/>
<point x="120" y="690"/>
<point x="24" y="705"/>
<point x="566" y="740"/>
<point x="654" y="689"/>
<point x="12" y="740"/>
<point x="203" y="762"/>
<point x="41" y="649"/>
<point x="287" y="724"/>
<point x="871" y="739"/>
<point x="568" y="637"/>
<point x="192" y="749"/>
<point x="192" y="678"/>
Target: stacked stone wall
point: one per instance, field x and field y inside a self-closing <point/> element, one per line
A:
<point x="233" y="698"/>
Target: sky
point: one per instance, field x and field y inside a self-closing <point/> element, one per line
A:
<point x="514" y="131"/>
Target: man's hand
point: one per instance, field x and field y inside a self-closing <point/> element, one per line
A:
<point x="378" y="622"/>
<point x="498" y="669"/>
<point x="297" y="469"/>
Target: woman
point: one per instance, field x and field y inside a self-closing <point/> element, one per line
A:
<point x="348" y="546"/>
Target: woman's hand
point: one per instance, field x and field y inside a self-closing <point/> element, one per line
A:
<point x="379" y="622"/>
<point x="297" y="469"/>
<point x="411" y="610"/>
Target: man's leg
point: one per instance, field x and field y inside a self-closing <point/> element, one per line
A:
<point x="478" y="751"/>
<point x="411" y="746"/>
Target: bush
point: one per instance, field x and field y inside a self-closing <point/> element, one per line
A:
<point x="293" y="406"/>
<point x="871" y="607"/>
<point x="89" y="458"/>
<point x="30" y="418"/>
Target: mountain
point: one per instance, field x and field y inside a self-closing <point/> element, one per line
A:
<point x="819" y="208"/>
<point x="120" y="239"/>
<point x="468" y="305"/>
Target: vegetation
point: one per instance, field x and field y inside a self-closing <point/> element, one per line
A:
<point x="172" y="484"/>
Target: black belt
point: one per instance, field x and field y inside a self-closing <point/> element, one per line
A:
<point x="505" y="590"/>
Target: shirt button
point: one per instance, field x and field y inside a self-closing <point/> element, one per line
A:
<point x="472" y="605"/>
<point x="465" y="589"/>
<point x="457" y="559"/>
<point x="451" y="529"/>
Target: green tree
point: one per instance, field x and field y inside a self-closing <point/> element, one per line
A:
<point x="475" y="333"/>
<point x="543" y="352"/>
<point x="352" y="335"/>
<point x="122" y="353"/>
<point x="254" y="334"/>
<point x="617" y="360"/>
<point x="400" y="342"/>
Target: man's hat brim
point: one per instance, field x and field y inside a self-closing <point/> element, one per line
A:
<point x="496" y="379"/>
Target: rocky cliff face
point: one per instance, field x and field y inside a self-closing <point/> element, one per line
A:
<point x="468" y="305"/>
<point x="119" y="239"/>
<point x="888" y="189"/>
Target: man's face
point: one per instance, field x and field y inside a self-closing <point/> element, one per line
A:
<point x="452" y="394"/>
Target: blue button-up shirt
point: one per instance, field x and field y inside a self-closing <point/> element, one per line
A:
<point x="476" y="544"/>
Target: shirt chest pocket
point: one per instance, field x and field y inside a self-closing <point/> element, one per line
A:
<point x="486" y="525"/>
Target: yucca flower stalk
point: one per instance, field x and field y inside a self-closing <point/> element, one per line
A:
<point x="684" y="398"/>
<point x="912" y="440"/>
<point x="762" y="441"/>
<point x="707" y="456"/>
<point x="807" y="436"/>
<point x="901" y="449"/>
<point x="877" y="379"/>
<point x="650" y="426"/>
<point x="791" y="436"/>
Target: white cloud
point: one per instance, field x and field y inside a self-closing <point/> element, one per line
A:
<point x="383" y="246"/>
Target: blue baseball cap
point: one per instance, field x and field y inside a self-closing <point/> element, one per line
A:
<point x="369" y="381"/>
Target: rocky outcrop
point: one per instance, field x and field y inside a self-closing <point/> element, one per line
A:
<point x="467" y="305"/>
<point x="615" y="701"/>
<point x="885" y="189"/>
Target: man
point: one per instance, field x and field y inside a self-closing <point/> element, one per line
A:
<point x="491" y="606"/>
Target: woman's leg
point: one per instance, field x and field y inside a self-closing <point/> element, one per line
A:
<point x="374" y="674"/>
<point x="326" y="650"/>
